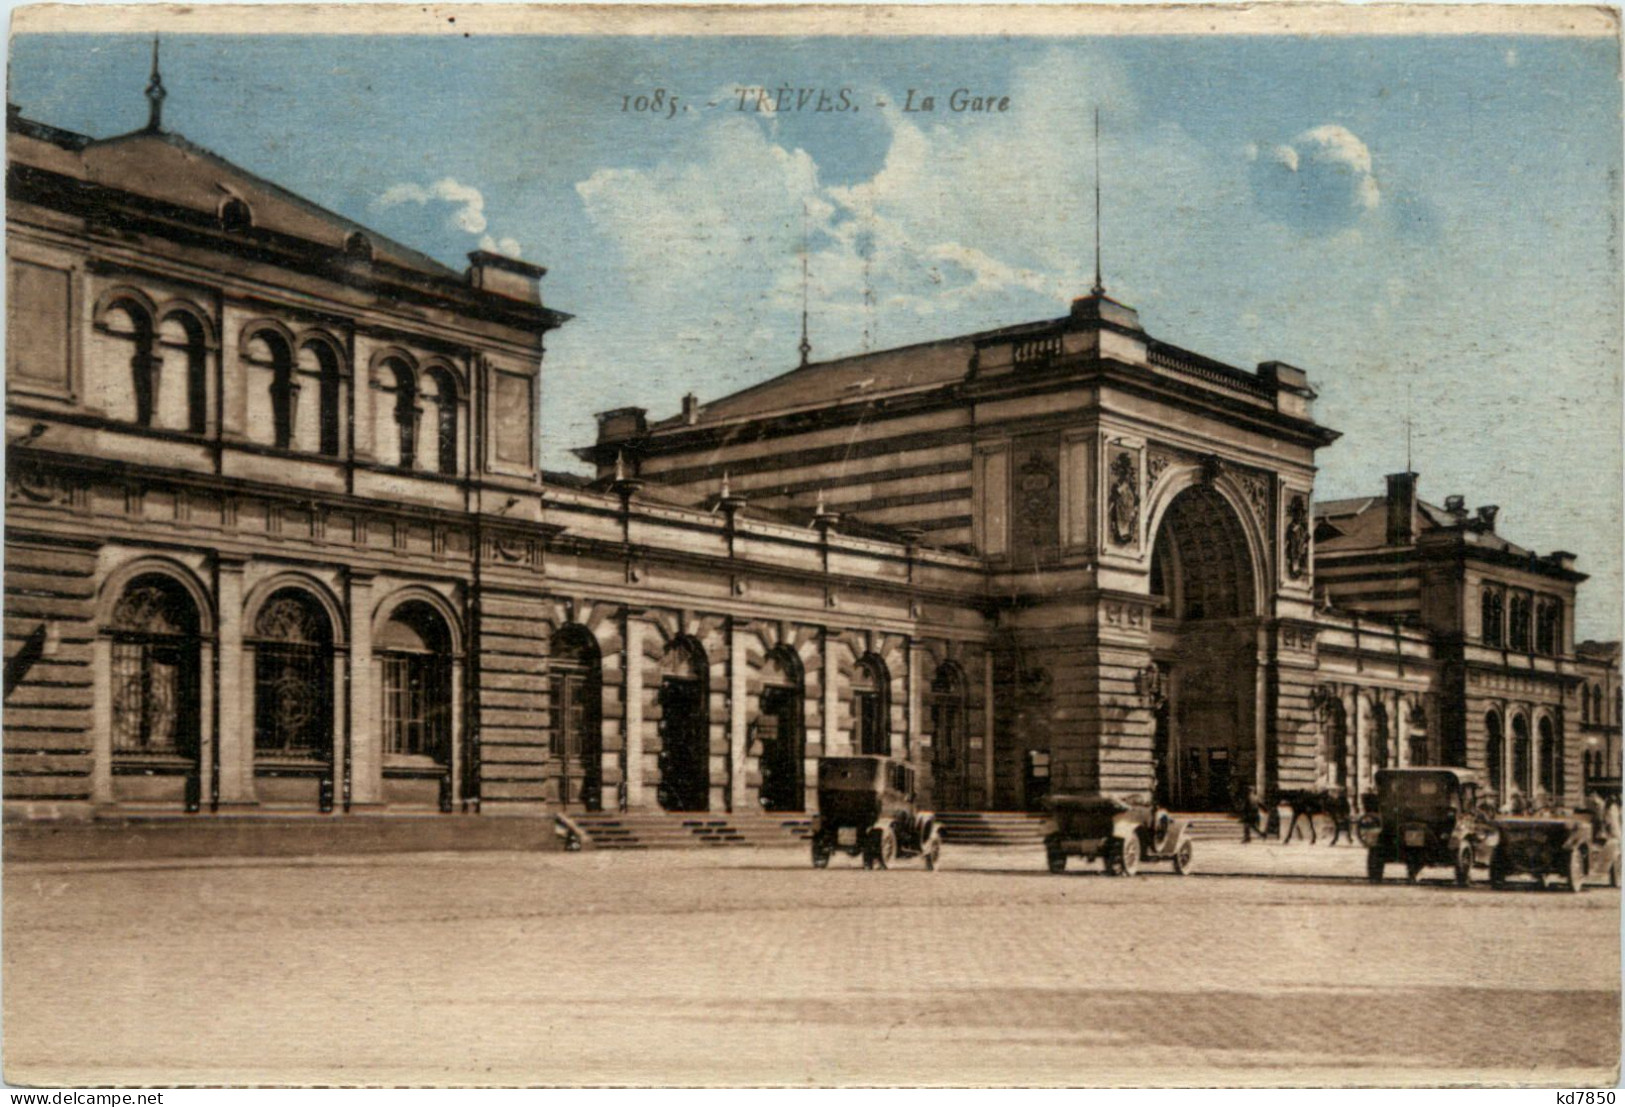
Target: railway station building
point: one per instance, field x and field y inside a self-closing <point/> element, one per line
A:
<point x="278" y="539"/>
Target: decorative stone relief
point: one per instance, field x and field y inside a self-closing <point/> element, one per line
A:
<point x="1123" y="499"/>
<point x="1297" y="536"/>
<point x="1156" y="463"/>
<point x="1256" y="486"/>
<point x="30" y="482"/>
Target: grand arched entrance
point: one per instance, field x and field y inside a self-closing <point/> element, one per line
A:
<point x="1205" y="641"/>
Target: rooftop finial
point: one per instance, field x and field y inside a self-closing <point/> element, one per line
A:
<point x="806" y="345"/>
<point x="155" y="93"/>
<point x="1100" y="286"/>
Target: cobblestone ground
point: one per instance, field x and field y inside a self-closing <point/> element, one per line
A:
<point x="749" y="967"/>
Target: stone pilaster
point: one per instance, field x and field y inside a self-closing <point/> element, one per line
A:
<point x="236" y="734"/>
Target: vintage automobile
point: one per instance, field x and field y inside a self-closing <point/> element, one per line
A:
<point x="866" y="807"/>
<point x="1577" y="848"/>
<point x="1122" y="832"/>
<point x="1430" y="815"/>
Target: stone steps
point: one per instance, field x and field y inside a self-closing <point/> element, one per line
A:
<point x="699" y="830"/>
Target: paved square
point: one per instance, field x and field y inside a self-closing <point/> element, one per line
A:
<point x="746" y="966"/>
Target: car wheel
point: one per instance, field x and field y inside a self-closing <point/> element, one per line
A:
<point x="1413" y="869"/>
<point x="1130" y="862"/>
<point x="933" y="853"/>
<point x="1184" y="858"/>
<point x="886" y="851"/>
<point x="1057" y="861"/>
<point x="1498" y="872"/>
<point x="1373" y="866"/>
<point x="1577" y="870"/>
<point x="1464" y="866"/>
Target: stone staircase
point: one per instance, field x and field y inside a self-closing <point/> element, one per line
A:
<point x="683" y="830"/>
<point x="1026" y="828"/>
<point x="992" y="828"/>
<point x="700" y="829"/>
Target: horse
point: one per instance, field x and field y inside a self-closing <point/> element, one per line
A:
<point x="1330" y="802"/>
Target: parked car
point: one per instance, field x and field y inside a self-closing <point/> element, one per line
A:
<point x="1579" y="848"/>
<point x="1430" y="816"/>
<point x="866" y="808"/>
<point x="1120" y="832"/>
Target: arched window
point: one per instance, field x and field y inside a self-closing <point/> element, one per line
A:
<point x="1491" y="605"/>
<point x="1518" y="621"/>
<point x="779" y="738"/>
<point x="575" y="682"/>
<point x="397" y="385"/>
<point x="871" y="722"/>
<point x="183" y="382"/>
<point x="415" y="653"/>
<point x="1597" y="716"/>
<point x="442" y="396"/>
<point x="1417" y="746"/>
<point x="685" y="756"/>
<point x="1549" y="627"/>
<point x="1522" y="761"/>
<point x="293" y="678"/>
<point x="154" y="628"/>
<point x="236" y="216"/>
<point x="1379" y="736"/>
<point x="1334" y="733"/>
<point x="1551" y="759"/>
<point x="322" y="378"/>
<point x="125" y="331"/>
<point x="269" y="352"/>
<point x="1585" y="705"/>
<point x="1492" y="752"/>
<point x="358" y="247"/>
<point x="950" y="760"/>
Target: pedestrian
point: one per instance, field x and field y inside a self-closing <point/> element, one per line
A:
<point x="1251" y="813"/>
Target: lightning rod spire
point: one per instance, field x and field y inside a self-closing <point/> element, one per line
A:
<point x="155" y="93"/>
<point x="1100" y="286"/>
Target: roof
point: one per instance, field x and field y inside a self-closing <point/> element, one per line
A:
<point x="861" y="377"/>
<point x="168" y="168"/>
<point x="1361" y="523"/>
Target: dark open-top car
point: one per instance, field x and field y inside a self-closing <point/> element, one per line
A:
<point x="1120" y="832"/>
<point x="866" y="808"/>
<point x="1430" y="816"/>
<point x="1578" y="848"/>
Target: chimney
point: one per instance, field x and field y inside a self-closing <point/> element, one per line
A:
<point x="691" y="409"/>
<point x="1401" y="509"/>
<point x="505" y="276"/>
<point x="1486" y="518"/>
<point x="1456" y="505"/>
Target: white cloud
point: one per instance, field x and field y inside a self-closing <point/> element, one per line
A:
<point x="466" y="201"/>
<point x="508" y="246"/>
<point x="1336" y="145"/>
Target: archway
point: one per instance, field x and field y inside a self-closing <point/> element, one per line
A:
<point x="415" y="659"/>
<point x="781" y="739"/>
<point x="1493" y="754"/>
<point x="1523" y="780"/>
<point x="685" y="753"/>
<point x="1204" y="635"/>
<point x="293" y="695"/>
<point x="575" y="682"/>
<point x="950" y="761"/>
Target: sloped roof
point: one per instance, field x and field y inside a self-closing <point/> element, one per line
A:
<point x="1361" y="523"/>
<point x="166" y="167"/>
<point x="858" y="378"/>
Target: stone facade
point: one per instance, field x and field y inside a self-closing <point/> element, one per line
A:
<point x="278" y="539"/>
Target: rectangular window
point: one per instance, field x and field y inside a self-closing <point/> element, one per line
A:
<point x="416" y="705"/>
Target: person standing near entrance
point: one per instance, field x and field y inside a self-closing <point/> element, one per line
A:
<point x="1250" y="810"/>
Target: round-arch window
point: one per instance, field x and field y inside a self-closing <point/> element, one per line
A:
<point x="870" y="720"/>
<point x="154" y="628"/>
<point x="293" y="677"/>
<point x="235" y="215"/>
<point x="415" y="652"/>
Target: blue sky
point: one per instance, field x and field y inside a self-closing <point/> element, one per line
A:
<point x="1427" y="224"/>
